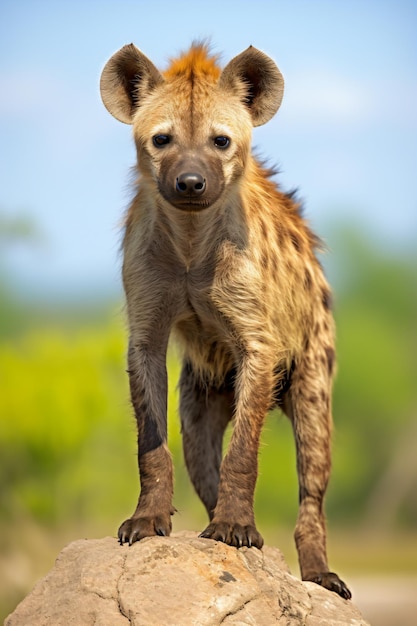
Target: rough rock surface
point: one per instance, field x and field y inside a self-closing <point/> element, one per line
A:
<point x="179" y="580"/>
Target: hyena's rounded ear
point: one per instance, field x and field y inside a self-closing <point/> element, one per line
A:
<point x="262" y="82"/>
<point x="127" y="76"/>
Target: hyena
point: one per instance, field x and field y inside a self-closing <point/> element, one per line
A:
<point x="218" y="256"/>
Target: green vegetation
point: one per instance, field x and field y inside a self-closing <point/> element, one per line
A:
<point x="67" y="434"/>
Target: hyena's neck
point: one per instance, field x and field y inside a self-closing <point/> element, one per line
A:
<point x="196" y="236"/>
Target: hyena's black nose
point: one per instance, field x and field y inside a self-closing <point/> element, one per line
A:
<point x="190" y="183"/>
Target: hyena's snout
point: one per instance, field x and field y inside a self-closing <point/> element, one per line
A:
<point x="192" y="184"/>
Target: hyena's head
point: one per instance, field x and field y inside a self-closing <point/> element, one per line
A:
<point x="192" y="123"/>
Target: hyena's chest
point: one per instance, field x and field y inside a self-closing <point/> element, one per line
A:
<point x="204" y="327"/>
<point x="220" y="315"/>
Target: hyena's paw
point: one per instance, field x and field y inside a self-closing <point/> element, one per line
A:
<point x="136" y="528"/>
<point x="233" y="534"/>
<point x="331" y="581"/>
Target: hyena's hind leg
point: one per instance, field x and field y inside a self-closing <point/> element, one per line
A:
<point x="308" y="404"/>
<point x="205" y="411"/>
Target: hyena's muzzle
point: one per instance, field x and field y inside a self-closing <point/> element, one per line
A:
<point x="190" y="182"/>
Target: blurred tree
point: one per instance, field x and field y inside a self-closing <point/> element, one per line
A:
<point x="376" y="392"/>
<point x="394" y="493"/>
<point x="16" y="229"/>
<point x="13" y="230"/>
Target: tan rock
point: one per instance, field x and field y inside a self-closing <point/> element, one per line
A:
<point x="179" y="580"/>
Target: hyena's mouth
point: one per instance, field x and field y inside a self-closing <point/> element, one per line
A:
<point x="192" y="205"/>
<point x="189" y="203"/>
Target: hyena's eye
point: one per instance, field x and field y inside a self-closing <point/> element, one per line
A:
<point x="161" y="140"/>
<point x="222" y="142"/>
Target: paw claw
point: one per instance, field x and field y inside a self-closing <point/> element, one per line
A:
<point x="332" y="582"/>
<point x="136" y="528"/>
<point x="233" y="534"/>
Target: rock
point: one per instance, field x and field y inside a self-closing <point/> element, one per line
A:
<point x="179" y="580"/>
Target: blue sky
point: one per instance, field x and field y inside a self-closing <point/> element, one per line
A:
<point x="346" y="133"/>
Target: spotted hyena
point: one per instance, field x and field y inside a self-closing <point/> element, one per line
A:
<point x="217" y="255"/>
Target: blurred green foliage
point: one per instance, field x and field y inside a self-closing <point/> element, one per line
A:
<point x="375" y="400"/>
<point x="67" y="434"/>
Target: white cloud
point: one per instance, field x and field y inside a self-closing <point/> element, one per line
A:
<point x="22" y="94"/>
<point x="53" y="111"/>
<point x="318" y="97"/>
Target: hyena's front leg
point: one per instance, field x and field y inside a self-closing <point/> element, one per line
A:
<point x="233" y="520"/>
<point x="308" y="404"/>
<point x="148" y="386"/>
